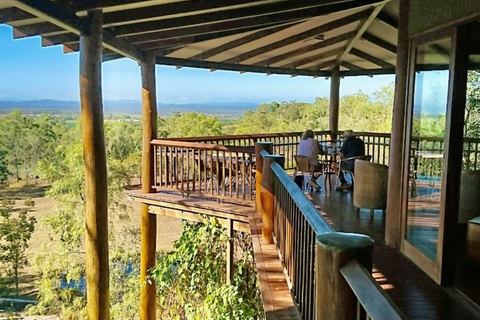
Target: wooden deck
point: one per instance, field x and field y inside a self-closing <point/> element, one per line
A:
<point x="416" y="294"/>
<point x="277" y="300"/>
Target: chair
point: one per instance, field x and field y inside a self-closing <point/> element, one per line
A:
<point x="303" y="165"/>
<point x="469" y="196"/>
<point x="371" y="181"/>
<point x="346" y="171"/>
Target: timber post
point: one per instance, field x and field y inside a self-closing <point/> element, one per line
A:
<point x="267" y="196"/>
<point x="395" y="167"/>
<point x="148" y="221"/>
<point x="334" y="102"/>
<point x="96" y="214"/>
<point x="259" y="146"/>
<point x="334" y="297"/>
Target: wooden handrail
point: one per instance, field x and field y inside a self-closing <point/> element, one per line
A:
<point x="370" y="295"/>
<point x="316" y="221"/>
<point x="202" y="146"/>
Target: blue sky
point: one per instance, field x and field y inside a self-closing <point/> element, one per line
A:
<point x="29" y="72"/>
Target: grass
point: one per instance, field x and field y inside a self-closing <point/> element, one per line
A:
<point x="168" y="229"/>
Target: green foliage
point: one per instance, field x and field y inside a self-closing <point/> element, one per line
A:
<point x="358" y="112"/>
<point x="190" y="124"/>
<point x="25" y="140"/>
<point x="15" y="232"/>
<point x="472" y="109"/>
<point x="4" y="173"/>
<point x="191" y="280"/>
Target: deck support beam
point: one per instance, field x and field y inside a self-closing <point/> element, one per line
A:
<point x="334" y="101"/>
<point x="395" y="168"/>
<point x="267" y="196"/>
<point x="259" y="146"/>
<point x="148" y="221"/>
<point x="96" y="219"/>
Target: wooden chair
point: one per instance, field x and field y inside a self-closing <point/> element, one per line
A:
<point x="371" y="181"/>
<point x="303" y="165"/>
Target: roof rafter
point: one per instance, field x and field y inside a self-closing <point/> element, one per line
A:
<point x="310" y="48"/>
<point x="241" y="41"/>
<point x="388" y="20"/>
<point x="237" y="67"/>
<point x="350" y="66"/>
<point x="301" y="36"/>
<point x="323" y="65"/>
<point x="314" y="58"/>
<point x="13" y="14"/>
<point x="362" y="28"/>
<point x="299" y="9"/>
<point x="172" y="9"/>
<point x="379" y="42"/>
<point x="366" y="72"/>
<point x="372" y="59"/>
<point x="231" y="27"/>
<point x="62" y="18"/>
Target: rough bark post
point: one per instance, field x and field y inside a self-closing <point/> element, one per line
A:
<point x="267" y="197"/>
<point x="334" y="297"/>
<point x="96" y="220"/>
<point x="395" y="167"/>
<point x="259" y="146"/>
<point x="148" y="221"/>
<point x="334" y="102"/>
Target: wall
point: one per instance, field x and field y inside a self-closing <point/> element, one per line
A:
<point x="429" y="14"/>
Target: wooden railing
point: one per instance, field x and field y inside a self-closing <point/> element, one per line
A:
<point x="286" y="144"/>
<point x="372" y="299"/>
<point x="298" y="229"/>
<point x="211" y="170"/>
<point x="296" y="226"/>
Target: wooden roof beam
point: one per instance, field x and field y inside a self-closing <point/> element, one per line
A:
<point x="366" y="72"/>
<point x="307" y="49"/>
<point x="361" y="30"/>
<point x="379" y="42"/>
<point x="225" y="27"/>
<point x="326" y="64"/>
<point x="372" y="59"/>
<point x="388" y="20"/>
<point x="308" y="60"/>
<point x="62" y="18"/>
<point x="301" y="36"/>
<point x="238" y="67"/>
<point x="350" y="66"/>
<point x="241" y="41"/>
<point x="13" y="14"/>
<point x="299" y="9"/>
<point x="185" y="13"/>
<point x="59" y="39"/>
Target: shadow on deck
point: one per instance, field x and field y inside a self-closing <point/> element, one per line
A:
<point x="415" y="293"/>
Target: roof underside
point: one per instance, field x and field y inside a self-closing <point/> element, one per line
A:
<point x="308" y="37"/>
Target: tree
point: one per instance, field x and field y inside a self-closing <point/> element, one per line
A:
<point x="472" y="108"/>
<point x="14" y="235"/>
<point x="189" y="124"/>
<point x="4" y="173"/>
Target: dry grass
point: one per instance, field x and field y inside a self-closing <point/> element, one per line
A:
<point x="168" y="229"/>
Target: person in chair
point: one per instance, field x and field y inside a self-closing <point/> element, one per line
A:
<point x="352" y="147"/>
<point x="309" y="147"/>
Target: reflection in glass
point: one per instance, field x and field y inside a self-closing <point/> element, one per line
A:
<point x="468" y="229"/>
<point x="427" y="145"/>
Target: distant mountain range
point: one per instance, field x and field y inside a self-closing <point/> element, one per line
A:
<point x="134" y="107"/>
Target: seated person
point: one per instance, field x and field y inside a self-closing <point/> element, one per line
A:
<point x="309" y="147"/>
<point x="352" y="147"/>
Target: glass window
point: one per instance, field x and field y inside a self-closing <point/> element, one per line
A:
<point x="427" y="145"/>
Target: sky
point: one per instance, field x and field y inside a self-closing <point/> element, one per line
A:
<point x="30" y="72"/>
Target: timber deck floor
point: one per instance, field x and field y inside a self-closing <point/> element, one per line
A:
<point x="277" y="300"/>
<point x="415" y="293"/>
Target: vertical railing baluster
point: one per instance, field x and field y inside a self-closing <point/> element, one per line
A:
<point x="237" y="182"/>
